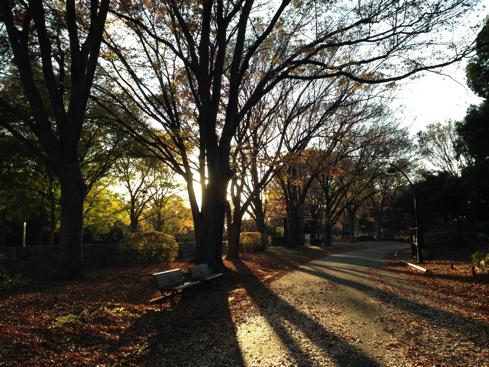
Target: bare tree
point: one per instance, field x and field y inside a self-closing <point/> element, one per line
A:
<point x="144" y="181"/>
<point x="164" y="205"/>
<point x="199" y="57"/>
<point x="436" y="144"/>
<point x="281" y="125"/>
<point x="55" y="48"/>
<point x="354" y="170"/>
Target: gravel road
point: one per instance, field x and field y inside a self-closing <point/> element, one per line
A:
<point x="326" y="313"/>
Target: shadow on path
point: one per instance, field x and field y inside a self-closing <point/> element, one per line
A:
<point x="441" y="318"/>
<point x="277" y="312"/>
<point x="198" y="330"/>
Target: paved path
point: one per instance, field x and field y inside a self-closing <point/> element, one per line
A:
<point x="325" y="313"/>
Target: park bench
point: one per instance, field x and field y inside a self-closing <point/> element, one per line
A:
<point x="170" y="283"/>
<point x="201" y="272"/>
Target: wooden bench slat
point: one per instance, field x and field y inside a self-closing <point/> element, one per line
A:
<point x="186" y="285"/>
<point x="202" y="271"/>
<point x="213" y="276"/>
<point x="169" y="279"/>
<point x="174" y="280"/>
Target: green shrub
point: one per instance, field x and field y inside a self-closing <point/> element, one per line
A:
<point x="279" y="231"/>
<point x="249" y="241"/>
<point x="440" y="238"/>
<point x="445" y="238"/>
<point x="11" y="282"/>
<point x="479" y="256"/>
<point x="147" y="247"/>
<point x="481" y="260"/>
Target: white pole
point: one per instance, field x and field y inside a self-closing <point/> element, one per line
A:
<point x="24" y="232"/>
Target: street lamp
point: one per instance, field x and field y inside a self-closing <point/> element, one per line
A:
<point x="418" y="234"/>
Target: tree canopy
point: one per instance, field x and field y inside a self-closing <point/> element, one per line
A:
<point x="219" y="92"/>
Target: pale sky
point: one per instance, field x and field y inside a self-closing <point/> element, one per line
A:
<point x="436" y="98"/>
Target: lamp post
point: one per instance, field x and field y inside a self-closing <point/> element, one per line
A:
<point x="419" y="239"/>
<point x="24" y="234"/>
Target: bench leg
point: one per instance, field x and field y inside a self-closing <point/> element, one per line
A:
<point x="172" y="298"/>
<point x="165" y="296"/>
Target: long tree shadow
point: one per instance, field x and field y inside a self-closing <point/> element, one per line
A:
<point x="363" y="262"/>
<point x="354" y="272"/>
<point x="357" y="273"/>
<point x="277" y="311"/>
<point x="469" y="279"/>
<point x="442" y="318"/>
<point x="198" y="330"/>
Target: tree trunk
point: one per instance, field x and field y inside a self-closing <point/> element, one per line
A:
<point x="315" y="224"/>
<point x="327" y="232"/>
<point x="196" y="212"/>
<point x="235" y="220"/>
<point x="209" y="248"/>
<point x="295" y="221"/>
<point x="73" y="191"/>
<point x="134" y="224"/>
<point x="229" y="219"/>
<point x="159" y="221"/>
<point x="351" y="226"/>
<point x="3" y="229"/>
<point x="133" y="217"/>
<point x="233" y="239"/>
<point x="52" y="213"/>
<point x="260" y="223"/>
<point x="379" y="226"/>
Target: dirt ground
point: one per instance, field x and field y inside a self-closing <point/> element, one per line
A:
<point x="349" y="310"/>
<point x="452" y="327"/>
<point x="105" y="320"/>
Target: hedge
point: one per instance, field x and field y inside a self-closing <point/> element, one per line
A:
<point x="147" y="247"/>
<point x="249" y="241"/>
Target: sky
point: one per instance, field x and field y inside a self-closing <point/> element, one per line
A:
<point x="437" y="98"/>
<point x="434" y="98"/>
